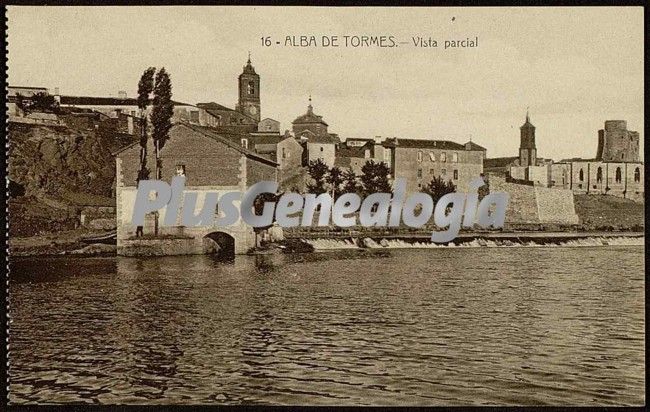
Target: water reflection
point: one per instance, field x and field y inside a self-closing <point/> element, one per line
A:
<point x="436" y="327"/>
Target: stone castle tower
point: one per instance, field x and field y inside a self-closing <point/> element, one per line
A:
<point x="616" y="143"/>
<point x="249" y="92"/>
<point x="527" y="149"/>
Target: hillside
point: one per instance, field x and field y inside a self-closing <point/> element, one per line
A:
<point x="55" y="169"/>
<point x="602" y="212"/>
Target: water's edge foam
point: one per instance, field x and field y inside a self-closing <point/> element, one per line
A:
<point x="367" y="243"/>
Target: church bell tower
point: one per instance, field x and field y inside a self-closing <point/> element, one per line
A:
<point x="527" y="148"/>
<point x="249" y="92"/>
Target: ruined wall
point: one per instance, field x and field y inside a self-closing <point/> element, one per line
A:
<point x="616" y="143"/>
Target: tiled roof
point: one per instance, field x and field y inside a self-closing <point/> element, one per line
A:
<point x="429" y="144"/>
<point x="214" y="106"/>
<point x="229" y="140"/>
<point x="321" y="138"/>
<point x="105" y="101"/>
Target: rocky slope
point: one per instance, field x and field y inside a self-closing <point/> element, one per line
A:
<point x="54" y="170"/>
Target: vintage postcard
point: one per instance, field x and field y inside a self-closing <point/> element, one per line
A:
<point x="355" y="206"/>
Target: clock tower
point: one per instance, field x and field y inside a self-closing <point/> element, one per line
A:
<point x="249" y="92"/>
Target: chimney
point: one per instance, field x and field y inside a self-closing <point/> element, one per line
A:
<point x="121" y="94"/>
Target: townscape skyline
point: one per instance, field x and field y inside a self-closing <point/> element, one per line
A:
<point x="570" y="88"/>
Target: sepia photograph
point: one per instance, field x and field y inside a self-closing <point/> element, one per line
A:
<point x="325" y="206"/>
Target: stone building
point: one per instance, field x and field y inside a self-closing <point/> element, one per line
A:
<point x="616" y="143"/>
<point x="246" y="115"/>
<point x="527" y="147"/>
<point x="353" y="154"/>
<point x="210" y="163"/>
<point x="311" y="131"/>
<point x="123" y="105"/>
<point x="583" y="176"/>
<point x="419" y="161"/>
<point x="606" y="174"/>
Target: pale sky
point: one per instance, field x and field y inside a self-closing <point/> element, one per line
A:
<point x="574" y="67"/>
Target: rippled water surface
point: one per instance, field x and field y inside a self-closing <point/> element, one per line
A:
<point x="399" y="327"/>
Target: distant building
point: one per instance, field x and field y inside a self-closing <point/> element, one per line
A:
<point x="353" y="154"/>
<point x="608" y="173"/>
<point x="419" y="161"/>
<point x="582" y="176"/>
<point x="210" y="163"/>
<point x="268" y="125"/>
<point x="122" y="104"/>
<point x="616" y="143"/>
<point x="246" y="115"/>
<point x="311" y="131"/>
<point x="13" y="94"/>
<point x="527" y="147"/>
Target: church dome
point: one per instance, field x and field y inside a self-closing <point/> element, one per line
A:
<point x="310" y="117"/>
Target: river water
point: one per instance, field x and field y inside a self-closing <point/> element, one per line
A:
<point x="482" y="326"/>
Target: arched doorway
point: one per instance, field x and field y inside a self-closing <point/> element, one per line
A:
<point x="220" y="244"/>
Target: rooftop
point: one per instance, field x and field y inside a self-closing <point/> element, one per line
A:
<point x="105" y="101"/>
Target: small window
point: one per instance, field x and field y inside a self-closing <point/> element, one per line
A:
<point x="180" y="170"/>
<point x="454" y="157"/>
<point x="618" y="175"/>
<point x="284" y="153"/>
<point x="443" y="157"/>
<point x="637" y="175"/>
<point x="455" y="174"/>
<point x="321" y="148"/>
<point x="419" y="156"/>
<point x="251" y="87"/>
<point x="244" y="143"/>
<point x="432" y="156"/>
<point x="581" y="175"/>
<point x="599" y="175"/>
<point x="419" y="173"/>
<point x="443" y="172"/>
<point x="431" y="172"/>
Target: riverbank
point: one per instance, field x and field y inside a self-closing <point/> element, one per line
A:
<point x="72" y="242"/>
<point x="59" y="243"/>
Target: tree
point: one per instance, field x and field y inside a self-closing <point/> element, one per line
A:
<point x="258" y="206"/>
<point x="318" y="172"/>
<point x="38" y="102"/>
<point x="350" y="182"/>
<point x="161" y="115"/>
<point x="145" y="88"/>
<point x="485" y="189"/>
<point x="374" y="178"/>
<point x="335" y="179"/>
<point x="437" y="188"/>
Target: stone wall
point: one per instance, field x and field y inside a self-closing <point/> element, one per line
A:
<point x="158" y="247"/>
<point x="555" y="206"/>
<point x="522" y="206"/>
